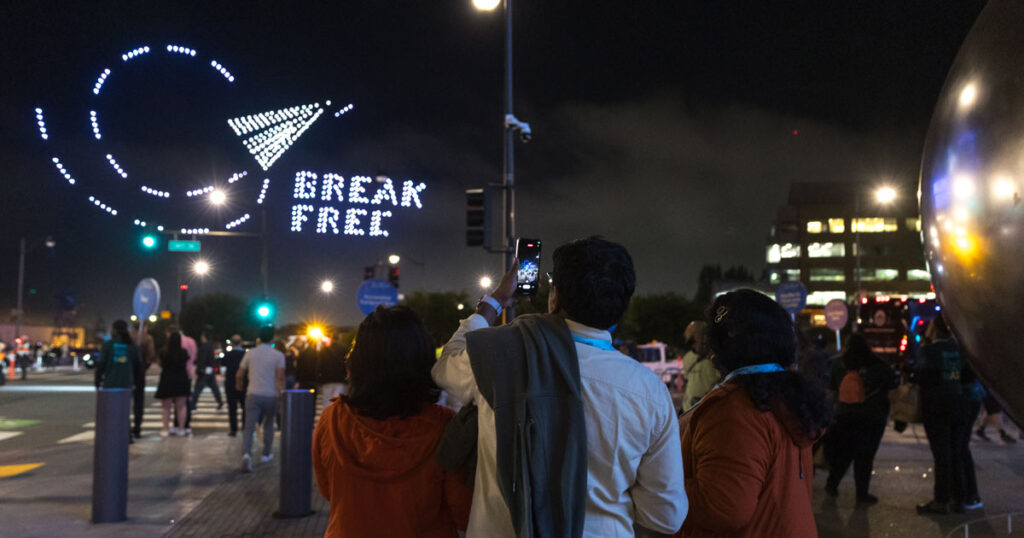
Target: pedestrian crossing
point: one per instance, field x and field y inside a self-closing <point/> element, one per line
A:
<point x="207" y="419"/>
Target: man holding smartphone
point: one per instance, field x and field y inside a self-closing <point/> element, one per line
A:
<point x="628" y="438"/>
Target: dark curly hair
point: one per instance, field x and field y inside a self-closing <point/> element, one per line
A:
<point x="594" y="279"/>
<point x="745" y="328"/>
<point x="389" y="365"/>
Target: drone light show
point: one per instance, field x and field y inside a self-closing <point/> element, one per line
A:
<point x="197" y="202"/>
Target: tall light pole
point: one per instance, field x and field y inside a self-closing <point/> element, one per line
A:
<point x="512" y="127"/>
<point x="883" y="195"/>
<point x="23" y="250"/>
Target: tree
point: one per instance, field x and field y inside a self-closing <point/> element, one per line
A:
<point x="222" y="313"/>
<point x="658" y="316"/>
<point x="440" y="311"/>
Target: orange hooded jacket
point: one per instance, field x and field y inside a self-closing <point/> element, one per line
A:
<point x="381" y="477"/>
<point x="748" y="473"/>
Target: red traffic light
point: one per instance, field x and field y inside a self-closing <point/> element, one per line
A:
<point x="184" y="287"/>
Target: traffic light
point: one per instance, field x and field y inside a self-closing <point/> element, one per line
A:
<point x="149" y="242"/>
<point x="393" y="276"/>
<point x="265" y="310"/>
<point x="369" y="272"/>
<point x="477" y="224"/>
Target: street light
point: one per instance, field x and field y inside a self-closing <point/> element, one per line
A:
<point x="327" y="286"/>
<point x="201" y="268"/>
<point x="23" y="250"/>
<point x="486" y="5"/>
<point x="885" y="195"/>
<point x="513" y="126"/>
<point x="218" y="197"/>
<point x="485" y="282"/>
<point x="394" y="259"/>
<point x="152" y="318"/>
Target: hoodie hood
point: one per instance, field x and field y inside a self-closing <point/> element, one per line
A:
<point x="383" y="449"/>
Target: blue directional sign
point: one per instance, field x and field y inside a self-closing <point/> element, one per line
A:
<point x="146" y="300"/>
<point x="374" y="292"/>
<point x="792" y="296"/>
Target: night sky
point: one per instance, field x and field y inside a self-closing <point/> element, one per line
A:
<point x="674" y="128"/>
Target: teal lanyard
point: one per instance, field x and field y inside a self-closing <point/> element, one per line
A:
<point x="753" y="369"/>
<point x="595" y="342"/>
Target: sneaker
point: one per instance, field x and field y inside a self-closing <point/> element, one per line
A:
<point x="956" y="508"/>
<point x="981" y="434"/>
<point x="1007" y="438"/>
<point x="188" y="431"/>
<point x="164" y="433"/>
<point x="232" y="434"/>
<point x="246" y="463"/>
<point x="933" y="507"/>
<point x="974" y="504"/>
<point x="184" y="433"/>
<point x="172" y="431"/>
<point x="267" y="457"/>
<point x="867" y="500"/>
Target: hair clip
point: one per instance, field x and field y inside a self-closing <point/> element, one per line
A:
<point x="720" y="314"/>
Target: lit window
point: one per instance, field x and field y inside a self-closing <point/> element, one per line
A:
<point x="824" y="274"/>
<point x="777" y="252"/>
<point x="792" y="275"/>
<point x="918" y="274"/>
<point x="821" y="298"/>
<point x="874" y="225"/>
<point x="836" y="226"/>
<point x="914" y="223"/>
<point x="826" y="250"/>
<point x="869" y="274"/>
<point x="814" y="227"/>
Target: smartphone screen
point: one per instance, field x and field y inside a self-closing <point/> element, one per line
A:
<point x="528" y="253"/>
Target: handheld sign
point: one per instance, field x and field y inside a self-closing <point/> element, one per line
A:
<point x="146" y="300"/>
<point x="836" y="314"/>
<point x="374" y="292"/>
<point x="792" y="296"/>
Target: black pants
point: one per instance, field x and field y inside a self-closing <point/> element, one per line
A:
<point x="965" y="483"/>
<point x="139" y="397"/>
<point x="855" y="438"/>
<point x="203" y="381"/>
<point x="945" y="422"/>
<point x="236" y="401"/>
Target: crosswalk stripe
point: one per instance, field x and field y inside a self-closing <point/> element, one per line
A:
<point x="78" y="438"/>
<point x="9" y="435"/>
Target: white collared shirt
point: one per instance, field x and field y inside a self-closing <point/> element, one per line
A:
<point x="634" y="458"/>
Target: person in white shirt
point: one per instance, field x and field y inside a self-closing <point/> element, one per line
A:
<point x="264" y="366"/>
<point x="634" y="465"/>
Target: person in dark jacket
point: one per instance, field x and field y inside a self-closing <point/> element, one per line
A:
<point x="119" y="360"/>
<point x="205" y="372"/>
<point x="939" y="373"/>
<point x="858" y="427"/>
<point x="235" y="394"/>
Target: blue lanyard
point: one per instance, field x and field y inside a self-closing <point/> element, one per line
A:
<point x="595" y="342"/>
<point x="753" y="369"/>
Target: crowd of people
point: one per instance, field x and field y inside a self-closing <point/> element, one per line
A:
<point x="559" y="434"/>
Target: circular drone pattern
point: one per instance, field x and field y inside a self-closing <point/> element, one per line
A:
<point x="266" y="136"/>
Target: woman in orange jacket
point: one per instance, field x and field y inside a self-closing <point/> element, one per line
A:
<point x="373" y="449"/>
<point x="747" y="445"/>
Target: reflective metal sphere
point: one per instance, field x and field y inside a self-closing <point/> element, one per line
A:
<point x="972" y="181"/>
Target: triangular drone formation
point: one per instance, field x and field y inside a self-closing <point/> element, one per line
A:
<point x="272" y="133"/>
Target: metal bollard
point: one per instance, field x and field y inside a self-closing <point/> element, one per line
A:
<point x="296" y="454"/>
<point x="110" y="456"/>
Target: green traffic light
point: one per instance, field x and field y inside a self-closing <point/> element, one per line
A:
<point x="149" y="241"/>
<point x="263" y="311"/>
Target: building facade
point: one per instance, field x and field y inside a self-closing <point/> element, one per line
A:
<point x="843" y="238"/>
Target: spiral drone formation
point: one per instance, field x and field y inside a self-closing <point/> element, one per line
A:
<point x="266" y="136"/>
